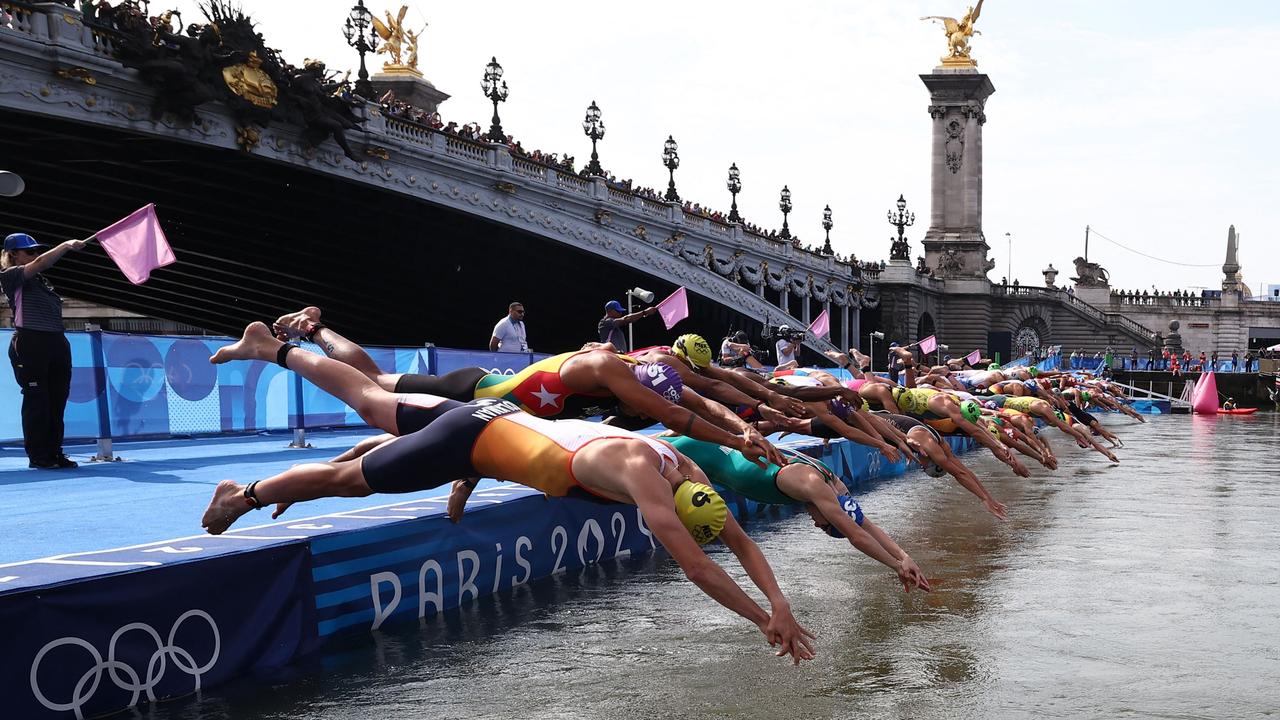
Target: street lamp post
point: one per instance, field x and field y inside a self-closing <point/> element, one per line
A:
<point x="1009" y="268"/>
<point x="361" y="38"/>
<point x="874" y="337"/>
<point x="495" y="88"/>
<point x="735" y="187"/>
<point x="901" y="220"/>
<point x="784" y="204"/>
<point x="644" y="296"/>
<point x="827" y="225"/>
<point x="671" y="158"/>
<point x="593" y="126"/>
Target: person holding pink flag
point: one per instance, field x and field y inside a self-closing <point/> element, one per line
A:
<point x="39" y="351"/>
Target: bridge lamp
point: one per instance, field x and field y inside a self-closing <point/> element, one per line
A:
<point x="357" y="30"/>
<point x="827" y="225"/>
<point x="495" y="88"/>
<point x="735" y="186"/>
<point x="671" y="159"/>
<point x="784" y="204"/>
<point x="593" y="126"/>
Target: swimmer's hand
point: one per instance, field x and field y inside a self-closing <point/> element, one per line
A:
<point x="910" y="576"/>
<point x="996" y="508"/>
<point x="754" y="447"/>
<point x="458" y="498"/>
<point x="788" y="405"/>
<point x="889" y="452"/>
<point x="779" y="418"/>
<point x="280" y="508"/>
<point x="783" y="632"/>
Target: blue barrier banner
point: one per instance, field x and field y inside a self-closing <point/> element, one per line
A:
<point x="495" y="362"/>
<point x="99" y="646"/>
<point x="414" y="569"/>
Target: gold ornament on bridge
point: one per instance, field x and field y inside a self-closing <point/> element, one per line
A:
<point x="251" y="82"/>
<point x="399" y="43"/>
<point x="958" y="34"/>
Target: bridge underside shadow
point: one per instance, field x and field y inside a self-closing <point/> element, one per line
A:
<point x="255" y="239"/>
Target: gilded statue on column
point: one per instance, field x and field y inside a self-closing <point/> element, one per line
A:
<point x="958" y="34"/>
<point x="400" y="43"/>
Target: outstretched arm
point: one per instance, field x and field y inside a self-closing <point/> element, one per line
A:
<point x="782" y="627"/>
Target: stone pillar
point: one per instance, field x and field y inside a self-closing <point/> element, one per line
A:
<point x="784" y="301"/>
<point x="954" y="244"/>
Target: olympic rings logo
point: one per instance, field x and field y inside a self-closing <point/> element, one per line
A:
<point x="122" y="674"/>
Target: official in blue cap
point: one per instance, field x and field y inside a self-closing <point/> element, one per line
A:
<point x="39" y="351"/>
<point x="615" y="318"/>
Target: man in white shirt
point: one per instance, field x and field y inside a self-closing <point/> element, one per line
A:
<point x="786" y="351"/>
<point x="509" y="334"/>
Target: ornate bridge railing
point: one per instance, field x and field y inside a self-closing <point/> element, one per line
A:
<point x="1080" y="306"/>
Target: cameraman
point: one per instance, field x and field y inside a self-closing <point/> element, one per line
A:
<point x="736" y="351"/>
<point x="787" y="346"/>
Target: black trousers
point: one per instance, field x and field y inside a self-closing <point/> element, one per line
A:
<point x="42" y="366"/>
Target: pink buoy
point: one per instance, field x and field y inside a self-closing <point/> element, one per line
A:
<point x="1204" y="400"/>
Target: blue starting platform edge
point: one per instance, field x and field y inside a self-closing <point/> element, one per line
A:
<point x="92" y="632"/>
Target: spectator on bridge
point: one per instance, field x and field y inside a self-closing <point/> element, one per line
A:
<point x="1164" y="358"/>
<point x="509" y="334"/>
<point x="1151" y="358"/>
<point x="39" y="351"/>
<point x="1235" y="361"/>
<point x="1214" y="360"/>
<point x="1186" y="358"/>
<point x="615" y="318"/>
<point x="1203" y="360"/>
<point x="1248" y="361"/>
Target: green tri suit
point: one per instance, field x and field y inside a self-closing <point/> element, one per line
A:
<point x="728" y="468"/>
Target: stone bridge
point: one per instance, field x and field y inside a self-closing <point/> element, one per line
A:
<point x="257" y="219"/>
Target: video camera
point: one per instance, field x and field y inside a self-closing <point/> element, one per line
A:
<point x="782" y="332"/>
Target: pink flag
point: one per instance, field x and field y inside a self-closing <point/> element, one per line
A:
<point x="137" y="244"/>
<point x="821" y="326"/>
<point x="674" y="309"/>
<point x="928" y="345"/>
<point x="973" y="357"/>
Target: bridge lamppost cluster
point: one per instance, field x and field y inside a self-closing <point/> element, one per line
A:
<point x="901" y="220"/>
<point x="735" y="187"/>
<point x="827" y="225"/>
<point x="495" y="88"/>
<point x="358" y="29"/>
<point x="671" y="159"/>
<point x="593" y="126"/>
<point x="784" y="204"/>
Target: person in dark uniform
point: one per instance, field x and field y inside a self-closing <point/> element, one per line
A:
<point x="39" y="352"/>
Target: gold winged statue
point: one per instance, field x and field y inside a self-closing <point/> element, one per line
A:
<point x="399" y="43"/>
<point x="958" y="34"/>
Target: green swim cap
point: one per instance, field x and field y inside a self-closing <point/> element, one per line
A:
<point x="993" y="366"/>
<point x="1085" y="395"/>
<point x="1034" y="371"/>
<point x="970" y="410"/>
<point x="1061" y="417"/>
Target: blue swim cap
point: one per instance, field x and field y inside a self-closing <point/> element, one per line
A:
<point x="662" y="379"/>
<point x="852" y="509"/>
<point x="1031" y="385"/>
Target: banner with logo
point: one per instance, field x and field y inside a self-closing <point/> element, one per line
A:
<point x="95" y="647"/>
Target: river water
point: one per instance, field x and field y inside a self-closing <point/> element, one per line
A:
<point x="1149" y="589"/>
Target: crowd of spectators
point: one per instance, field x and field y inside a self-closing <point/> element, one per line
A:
<point x="1152" y="297"/>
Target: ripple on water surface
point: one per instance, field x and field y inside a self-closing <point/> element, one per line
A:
<point x="1147" y="589"/>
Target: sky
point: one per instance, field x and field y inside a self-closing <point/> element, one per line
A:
<point x="1150" y="121"/>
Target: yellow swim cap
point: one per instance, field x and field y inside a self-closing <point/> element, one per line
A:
<point x="694" y="349"/>
<point x="702" y="511"/>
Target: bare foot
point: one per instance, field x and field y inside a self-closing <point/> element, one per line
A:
<point x="226" y="507"/>
<point x="297" y="324"/>
<point x="256" y="344"/>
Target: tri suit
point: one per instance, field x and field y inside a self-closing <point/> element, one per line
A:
<point x="489" y="437"/>
<point x="537" y="389"/>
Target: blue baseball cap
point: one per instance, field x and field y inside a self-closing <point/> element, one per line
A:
<point x="615" y="306"/>
<point x="21" y="241"/>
